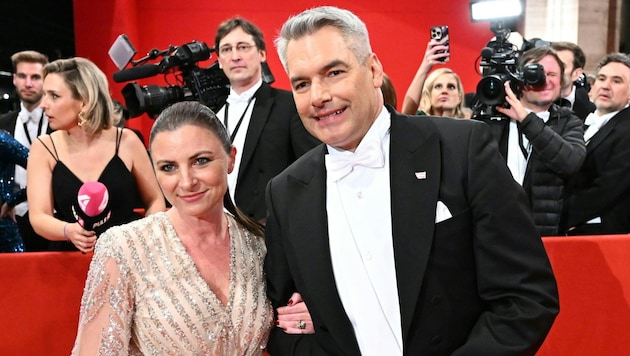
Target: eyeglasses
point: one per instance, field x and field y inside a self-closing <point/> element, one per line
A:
<point x="241" y="48"/>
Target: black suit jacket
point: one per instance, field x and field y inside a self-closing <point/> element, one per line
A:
<point x="275" y="138"/>
<point x="478" y="283"/>
<point x="8" y="120"/>
<point x="582" y="106"/>
<point x="602" y="186"/>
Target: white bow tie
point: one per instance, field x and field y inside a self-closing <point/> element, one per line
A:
<point x="591" y="119"/>
<point x="594" y="124"/>
<point x="26" y="116"/>
<point x="234" y="99"/>
<point x="368" y="155"/>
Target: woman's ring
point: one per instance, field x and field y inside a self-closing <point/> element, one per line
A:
<point x="301" y="324"/>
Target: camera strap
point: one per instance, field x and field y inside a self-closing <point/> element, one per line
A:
<point x="240" y="121"/>
<point x="521" y="144"/>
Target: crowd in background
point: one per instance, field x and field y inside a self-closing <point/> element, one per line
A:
<point x="432" y="91"/>
<point x="552" y="135"/>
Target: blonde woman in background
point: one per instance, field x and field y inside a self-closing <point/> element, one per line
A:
<point x="85" y="147"/>
<point x="439" y="93"/>
<point x="443" y="95"/>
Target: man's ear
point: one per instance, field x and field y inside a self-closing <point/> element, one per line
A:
<point x="577" y="72"/>
<point x="377" y="70"/>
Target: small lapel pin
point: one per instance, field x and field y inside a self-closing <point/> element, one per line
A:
<point x="421" y="175"/>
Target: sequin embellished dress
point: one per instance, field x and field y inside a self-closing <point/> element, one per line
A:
<point x="11" y="153"/>
<point x="145" y="296"/>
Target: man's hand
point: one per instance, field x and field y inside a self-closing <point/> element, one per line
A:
<point x="6" y="211"/>
<point x="516" y="110"/>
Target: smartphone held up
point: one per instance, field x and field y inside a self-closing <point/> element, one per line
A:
<point x="440" y="33"/>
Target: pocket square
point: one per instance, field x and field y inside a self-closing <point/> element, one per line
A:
<point x="442" y="213"/>
<point x="421" y="175"/>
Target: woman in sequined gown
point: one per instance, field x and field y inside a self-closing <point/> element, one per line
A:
<point x="11" y="153"/>
<point x="188" y="281"/>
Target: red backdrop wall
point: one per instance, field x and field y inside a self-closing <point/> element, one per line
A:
<point x="399" y="31"/>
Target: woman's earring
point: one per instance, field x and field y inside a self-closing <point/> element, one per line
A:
<point x="81" y="120"/>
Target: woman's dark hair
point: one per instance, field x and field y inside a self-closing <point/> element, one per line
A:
<point x="194" y="113"/>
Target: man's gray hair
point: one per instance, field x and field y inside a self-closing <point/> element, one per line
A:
<point x="352" y="29"/>
<point x="615" y="57"/>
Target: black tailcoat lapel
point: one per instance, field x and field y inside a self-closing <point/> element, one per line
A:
<point x="260" y="115"/>
<point x="309" y="231"/>
<point x="605" y="130"/>
<point x="415" y="179"/>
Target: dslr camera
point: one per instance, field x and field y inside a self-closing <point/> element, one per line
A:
<point x="208" y="85"/>
<point x="499" y="63"/>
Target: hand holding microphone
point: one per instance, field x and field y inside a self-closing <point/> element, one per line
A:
<point x="91" y="211"/>
<point x="81" y="238"/>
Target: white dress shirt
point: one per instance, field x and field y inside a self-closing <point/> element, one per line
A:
<point x="361" y="246"/>
<point x="516" y="160"/>
<point x="239" y="105"/>
<point x="571" y="96"/>
<point x="595" y="123"/>
<point x="37" y="123"/>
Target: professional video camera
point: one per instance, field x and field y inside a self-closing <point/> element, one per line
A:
<point x="208" y="85"/>
<point x="499" y="63"/>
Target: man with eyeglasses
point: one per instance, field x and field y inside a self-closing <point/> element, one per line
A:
<point x="262" y="121"/>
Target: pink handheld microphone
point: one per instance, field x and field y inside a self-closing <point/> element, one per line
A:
<point x="93" y="205"/>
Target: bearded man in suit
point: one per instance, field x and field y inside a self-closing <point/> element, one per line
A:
<point x="25" y="124"/>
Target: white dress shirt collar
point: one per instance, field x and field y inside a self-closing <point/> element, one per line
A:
<point x="378" y="130"/>
<point x="571" y="96"/>
<point x="25" y="116"/>
<point x="595" y="122"/>
<point x="245" y="96"/>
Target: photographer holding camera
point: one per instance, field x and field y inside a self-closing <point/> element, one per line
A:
<point x="262" y="121"/>
<point x="542" y="142"/>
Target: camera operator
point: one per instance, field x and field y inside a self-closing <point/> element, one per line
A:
<point x="262" y="121"/>
<point x="542" y="142"/>
<point x="574" y="61"/>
